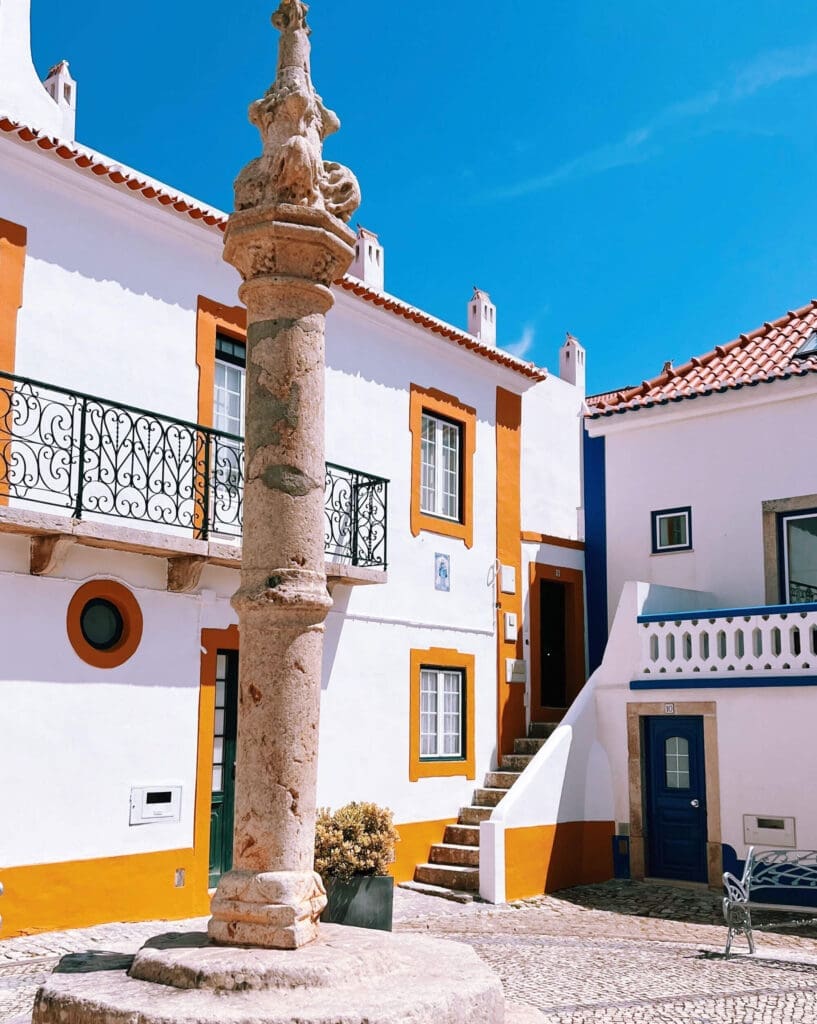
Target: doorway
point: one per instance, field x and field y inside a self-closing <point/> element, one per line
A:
<point x="222" y="805"/>
<point x="556" y="640"/>
<point x="675" y="797"/>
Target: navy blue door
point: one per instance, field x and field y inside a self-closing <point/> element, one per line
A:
<point x="675" y="826"/>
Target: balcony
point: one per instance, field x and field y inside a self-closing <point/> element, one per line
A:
<point x="74" y="467"/>
<point x="770" y="645"/>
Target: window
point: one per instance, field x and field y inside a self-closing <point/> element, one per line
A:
<point x="440" y="487"/>
<point x="441" y="713"/>
<point x="676" y="756"/>
<point x="443" y="436"/>
<point x="672" y="530"/>
<point x="228" y="406"/>
<point x="808" y="348"/>
<point x="101" y="624"/>
<point x="441" y="719"/>
<point x="799" y="550"/>
<point x="104" y="623"/>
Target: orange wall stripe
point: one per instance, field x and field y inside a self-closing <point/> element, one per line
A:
<point x="77" y="894"/>
<point x="546" y="858"/>
<point x="440" y="404"/>
<point x="416" y="839"/>
<point x="510" y="696"/>
<point x="13" y="241"/>
<point x="441" y="657"/>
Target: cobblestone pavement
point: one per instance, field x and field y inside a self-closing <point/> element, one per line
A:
<point x="618" y="953"/>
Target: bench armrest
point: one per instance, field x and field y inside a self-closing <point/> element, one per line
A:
<point x="735" y="889"/>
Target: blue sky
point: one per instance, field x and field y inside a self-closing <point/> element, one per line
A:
<point x="641" y="174"/>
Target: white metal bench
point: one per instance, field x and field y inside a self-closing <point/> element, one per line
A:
<point x="789" y="870"/>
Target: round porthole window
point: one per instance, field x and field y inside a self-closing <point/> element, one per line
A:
<point x="101" y="624"/>
<point x="104" y="623"/>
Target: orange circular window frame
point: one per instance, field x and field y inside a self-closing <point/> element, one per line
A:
<point x="127" y="606"/>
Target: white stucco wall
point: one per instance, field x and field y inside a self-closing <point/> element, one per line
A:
<point x="723" y="455"/>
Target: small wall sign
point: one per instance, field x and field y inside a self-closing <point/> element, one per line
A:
<point x="442" y="572"/>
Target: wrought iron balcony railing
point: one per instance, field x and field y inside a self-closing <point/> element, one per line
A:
<point x="88" y="456"/>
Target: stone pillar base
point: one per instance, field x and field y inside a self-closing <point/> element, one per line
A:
<point x="269" y="909"/>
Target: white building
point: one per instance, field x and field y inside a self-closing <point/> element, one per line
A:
<point x="694" y="734"/>
<point x="449" y="520"/>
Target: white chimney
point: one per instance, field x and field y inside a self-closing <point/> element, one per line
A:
<point x="572" y="362"/>
<point x="369" y="258"/>
<point x="22" y="96"/>
<point x="482" y="317"/>
<point x="62" y="89"/>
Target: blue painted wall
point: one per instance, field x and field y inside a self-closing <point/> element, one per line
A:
<point x="595" y="536"/>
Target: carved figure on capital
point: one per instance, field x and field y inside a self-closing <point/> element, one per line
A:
<point x="293" y="122"/>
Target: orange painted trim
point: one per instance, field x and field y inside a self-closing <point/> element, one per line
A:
<point x="13" y="242"/>
<point x="511" y="722"/>
<point x="437" y="403"/>
<point x="573" y="581"/>
<point x="128" y="606"/>
<point x="441" y="657"/>
<point x="416" y="839"/>
<point x="212" y="641"/>
<point x="547" y="538"/>
<point x="546" y="858"/>
<point x="78" y="894"/>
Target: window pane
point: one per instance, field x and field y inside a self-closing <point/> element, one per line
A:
<point x="452" y="713"/>
<point x="218" y="774"/>
<point x="676" y="752"/>
<point x="672" y="531"/>
<point x="801" y="554"/>
<point x="428" y="714"/>
<point x="219" y="726"/>
<point x="428" y="490"/>
<point x="218" y="750"/>
<point x="451" y="469"/>
<point x="228" y="410"/>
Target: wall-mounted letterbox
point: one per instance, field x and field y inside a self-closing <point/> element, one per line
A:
<point x="151" y="805"/>
<point x="769" y="830"/>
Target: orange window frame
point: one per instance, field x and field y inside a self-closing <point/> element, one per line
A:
<point x="128" y="607"/>
<point x="437" y="403"/>
<point x="13" y="242"/>
<point x="441" y="657"/>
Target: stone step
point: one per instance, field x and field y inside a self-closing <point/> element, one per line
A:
<point x="449" y="853"/>
<point x="541" y="729"/>
<point x="448" y="876"/>
<point x="487" y="797"/>
<point x="455" y="895"/>
<point x="515" y="762"/>
<point x="473" y="815"/>
<point x="529" y="745"/>
<point x="462" y="835"/>
<point x="501" y="780"/>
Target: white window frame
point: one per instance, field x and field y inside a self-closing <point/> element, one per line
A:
<point x="671" y="513"/>
<point x="434" y="498"/>
<point x="217" y="389"/>
<point x="433" y="679"/>
<point x="786" y="518"/>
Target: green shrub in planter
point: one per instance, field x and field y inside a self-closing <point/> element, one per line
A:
<point x="353" y="850"/>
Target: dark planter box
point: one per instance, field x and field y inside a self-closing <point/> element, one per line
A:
<point x="366" y="901"/>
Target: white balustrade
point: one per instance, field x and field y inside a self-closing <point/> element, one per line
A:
<point x="747" y="641"/>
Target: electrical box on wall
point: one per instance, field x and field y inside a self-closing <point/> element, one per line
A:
<point x="511" y="630"/>
<point x="768" y="830"/>
<point x="515" y="671"/>
<point x="152" y="805"/>
<point x="507" y="579"/>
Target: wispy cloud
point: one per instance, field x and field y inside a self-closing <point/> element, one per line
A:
<point x="648" y="141"/>
<point x="521" y="347"/>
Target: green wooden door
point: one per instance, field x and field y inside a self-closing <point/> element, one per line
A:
<point x="224" y="733"/>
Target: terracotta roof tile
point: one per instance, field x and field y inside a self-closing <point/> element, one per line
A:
<point x="763" y="355"/>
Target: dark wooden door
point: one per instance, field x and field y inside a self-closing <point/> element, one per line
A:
<point x="224" y="735"/>
<point x="676" y="798"/>
<point x="552" y="641"/>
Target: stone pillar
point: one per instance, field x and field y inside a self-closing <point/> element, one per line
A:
<point x="289" y="242"/>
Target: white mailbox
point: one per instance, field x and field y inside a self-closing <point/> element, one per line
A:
<point x="151" y="805"/>
<point x="516" y="671"/>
